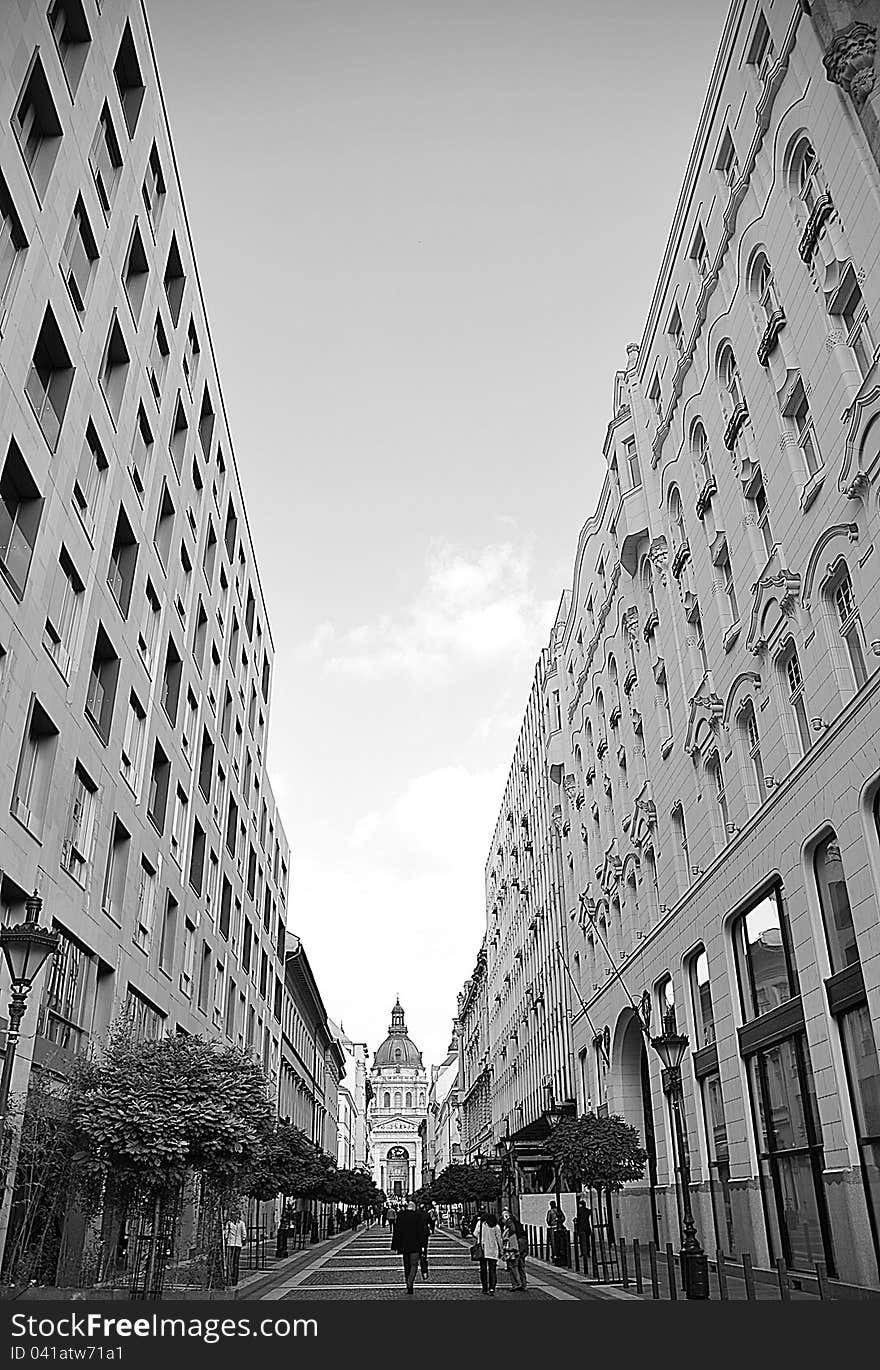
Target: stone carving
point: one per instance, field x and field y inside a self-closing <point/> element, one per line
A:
<point x="849" y="61"/>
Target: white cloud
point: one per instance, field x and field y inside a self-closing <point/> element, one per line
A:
<point x="469" y="612"/>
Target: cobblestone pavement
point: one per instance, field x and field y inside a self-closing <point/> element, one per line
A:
<point x="365" y="1267"/>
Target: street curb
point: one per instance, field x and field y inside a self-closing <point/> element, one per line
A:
<point x="258" y="1283"/>
<point x="597" y="1291"/>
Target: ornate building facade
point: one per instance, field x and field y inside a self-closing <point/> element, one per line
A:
<point x="475" y="1089"/>
<point x="397" y="1111"/>
<point x="712" y="692"/>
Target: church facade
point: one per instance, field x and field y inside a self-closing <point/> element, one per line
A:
<point x="398" y="1108"/>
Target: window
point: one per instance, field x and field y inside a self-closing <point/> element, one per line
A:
<point x="206" y="764"/>
<point x="89" y="479"/>
<point x="129" y="81"/>
<point x="105" y="159"/>
<point x="632" y="463"/>
<point x="133" y="742"/>
<point x="101" y="691"/>
<point x="177" y="441"/>
<point x="145" y="905"/>
<point x="149" y="633"/>
<point x="187" y="959"/>
<point x="160" y="775"/>
<point x="64" y="610"/>
<point x="123" y="558"/>
<point x="76" y="849"/>
<point x="141" y="451"/>
<point x="34" y="773"/>
<point x="49" y="379"/>
<point x="182" y="595"/>
<point x="719" y="1162"/>
<point x="843" y="948"/>
<point x="665" y="991"/>
<point x="167" y="935"/>
<point x="200" y="637"/>
<point x="726" y="163"/>
<point x="115" y="870"/>
<point x="158" y="362"/>
<point x="854" y="321"/>
<point x="164" y="526"/>
<point x="78" y="257"/>
<point x="676" y="332"/>
<point x="701" y="993"/>
<point x="13" y="246"/>
<point x="20" y="509"/>
<point x="178" y="823"/>
<point x="761" y="512"/>
<point x="154" y="190"/>
<point x="765" y="966"/>
<point x="751" y="741"/>
<point x="70" y="30"/>
<point x="716" y="782"/>
<point x="206" y="424"/>
<point x="189" y="725"/>
<point x="849" y="625"/>
<point x="197" y="857"/>
<point x="725" y="578"/>
<point x="761" y="55"/>
<point x="145" y="1021"/>
<point x="698" y="253"/>
<point x="114" y="370"/>
<point x="37" y="127"/>
<point x="656" y="398"/>
<point x="171" y="679"/>
<point x="683" y="856"/>
<point x="790" y="669"/>
<point x="136" y="272"/>
<point x="798" y="411"/>
<point x="807" y="177"/>
<point x="204" y="977"/>
<point x="174" y="281"/>
<point x="225" y="908"/>
<point x="65" y="1003"/>
<point x="231" y="531"/>
<point x="231" y="827"/>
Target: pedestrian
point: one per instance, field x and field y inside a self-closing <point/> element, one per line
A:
<point x="234" y="1238"/>
<point x="431" y="1223"/>
<point x="583" y="1230"/>
<point x="555" y="1227"/>
<point x="516" y="1245"/>
<point x="384" y="1214"/>
<point x="410" y="1238"/>
<point x="488" y="1237"/>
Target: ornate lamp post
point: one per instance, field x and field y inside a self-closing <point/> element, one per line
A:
<point x="27" y="946"/>
<point x="671" y="1047"/>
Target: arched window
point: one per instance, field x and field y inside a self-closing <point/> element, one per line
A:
<point x="421" y="1098"/>
<point x="719" y="796"/>
<point x="700" y="455"/>
<point x="843" y="948"/>
<point x="789" y="668"/>
<point x="847" y="623"/>
<point x="615" y="692"/>
<point x="701" y="993"/>
<point x="676" y="516"/>
<point x="579" y="762"/>
<point x="763" y="291"/>
<point x="730" y="384"/>
<point x="600" y="722"/>
<point x="751" y="742"/>
<point x="683" y="852"/>
<point x="408" y="1099"/>
<point x="807" y="180"/>
<point x="665" y="1001"/>
<point x="386" y="1100"/>
<point x="397" y="1098"/>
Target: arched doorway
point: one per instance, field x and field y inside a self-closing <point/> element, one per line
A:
<point x="397" y="1171"/>
<point x="631" y="1091"/>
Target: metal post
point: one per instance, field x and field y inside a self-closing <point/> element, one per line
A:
<point x="748" y="1275"/>
<point x="722" y="1274"/>
<point x="670" y="1269"/>
<point x="694" y="1265"/>
<point x="17" y="1006"/>
<point x="652" y="1258"/>
<point x="637" y="1262"/>
<point x="782" y="1277"/>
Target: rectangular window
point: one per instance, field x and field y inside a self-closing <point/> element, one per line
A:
<point x="145" y="1021"/>
<point x="33" y="776"/>
<point x="105" y="159"/>
<point x="197" y="857"/>
<point x="158" y="362"/>
<point x="204" y="978"/>
<point x="136" y="272"/>
<point x="164" y="526"/>
<point x="719" y="1163"/>
<point x="761" y="55"/>
<point x="21" y="507"/>
<point x="188" y="736"/>
<point x="148" y="636"/>
<point x="171" y="679"/>
<point x="799" y="413"/>
<point x="64" y="612"/>
<point x="65" y="1002"/>
<point x="50" y="379"/>
<point x="101" y="692"/>
<point x="178" y="823"/>
<point x="115" y="871"/>
<point x="133" y="742"/>
<point x="168" y="934"/>
<point x="123" y="559"/>
<point x="854" y="318"/>
<point x="37" y="127"/>
<point x="78" y="257"/>
<point x="727" y="164"/>
<point x="187" y="960"/>
<point x="76" y="849"/>
<point x="154" y="190"/>
<point x="177" y="440"/>
<point x="141" y="452"/>
<point x="206" y="765"/>
<point x="13" y="246"/>
<point x="159" y="779"/>
<point x="765" y="966"/>
<point x="191" y="353"/>
<point x="129" y="81"/>
<point x="89" y="479"/>
<point x="225" y="907"/>
<point x="114" y="369"/>
<point x="145" y="905"/>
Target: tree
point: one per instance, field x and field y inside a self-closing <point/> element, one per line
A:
<point x="465" y="1184"/>
<point x="602" y="1153"/>
<point x="285" y="1162"/>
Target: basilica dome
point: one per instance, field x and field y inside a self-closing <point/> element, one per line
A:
<point x="398" y="1049"/>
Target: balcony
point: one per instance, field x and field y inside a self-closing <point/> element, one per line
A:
<point x="775" y="325"/>
<point x="680" y="557"/>
<point x="735" y="424"/>
<point x="704" y="498"/>
<point x="819" y="216"/>
<point x="651" y="623"/>
<point x="15" y="550"/>
<point x="632" y="527"/>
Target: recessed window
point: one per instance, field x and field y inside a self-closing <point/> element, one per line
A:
<point x="793" y="683"/>
<point x="37" y="127"/>
<point x="191" y="353"/>
<point x="766" y="969"/>
<point x="90" y="477"/>
<point x="21" y="506"/>
<point x="798" y="412"/>
<point x="49" y="379"/>
<point x="751" y="741"/>
<point x="101" y="691"/>
<point x="206" y="424"/>
<point x="761" y="55"/>
<point x="834" y="900"/>
<point x="849" y="624"/>
<point x="170" y="695"/>
<point x="30" y="793"/>
<point x="164" y="526"/>
<point x="129" y="81"/>
<point x="153" y="190"/>
<point x="158" y="363"/>
<point x="105" y="159"/>
<point x="76" y="849"/>
<point x="114" y="369"/>
<point x="136" y="272"/>
<point x="123" y="559"/>
<point x="676" y="332"/>
<point x="78" y="257"/>
<point x="133" y="742"/>
<point x="727" y="164"/>
<point x="174" y="281"/>
<point x="160" y="775"/>
<point x="115" y="871"/>
<point x="141" y="451"/>
<point x="145" y="913"/>
<point x="148" y="635"/>
<point x="699" y="254"/>
<point x="70" y="30"/>
<point x="13" y="246"/>
<point x="231" y="531"/>
<point x="200" y="635"/>
<point x="62" y="619"/>
<point x="853" y="315"/>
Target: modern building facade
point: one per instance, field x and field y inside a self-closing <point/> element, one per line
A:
<point x="397" y="1111"/>
<point x="711" y="693"/>
<point x="136" y="656"/>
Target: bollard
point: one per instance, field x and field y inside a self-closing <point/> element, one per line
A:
<point x="575" y="1246"/>
<point x="624" y="1272"/>
<point x="541" y="1246"/>
<point x="748" y="1275"/>
<point x="722" y="1274"/>
<point x="652" y="1257"/>
<point x="782" y="1277"/>
<point x="670" y="1268"/>
<point x="637" y="1265"/>
<point x="822" y="1278"/>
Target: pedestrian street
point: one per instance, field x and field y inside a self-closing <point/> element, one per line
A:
<point x="365" y="1267"/>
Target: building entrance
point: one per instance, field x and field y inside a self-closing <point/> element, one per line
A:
<point x="397" y="1163"/>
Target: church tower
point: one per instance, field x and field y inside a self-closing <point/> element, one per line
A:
<point x="398" y="1108"/>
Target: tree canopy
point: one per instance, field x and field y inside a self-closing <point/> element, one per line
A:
<point x="464" y="1183"/>
<point x="601" y="1153"/>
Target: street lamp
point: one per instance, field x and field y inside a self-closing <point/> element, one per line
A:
<point x="27" y="947"/>
<point x="671" y="1046"/>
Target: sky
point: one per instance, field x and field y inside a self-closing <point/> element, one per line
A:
<point x="425" y="233"/>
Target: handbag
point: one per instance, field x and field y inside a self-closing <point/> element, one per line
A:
<point x="477" y="1248"/>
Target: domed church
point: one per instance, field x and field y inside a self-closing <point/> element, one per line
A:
<point x="399" y="1105"/>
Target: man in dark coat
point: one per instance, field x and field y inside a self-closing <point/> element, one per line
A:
<point x="410" y="1238"/>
